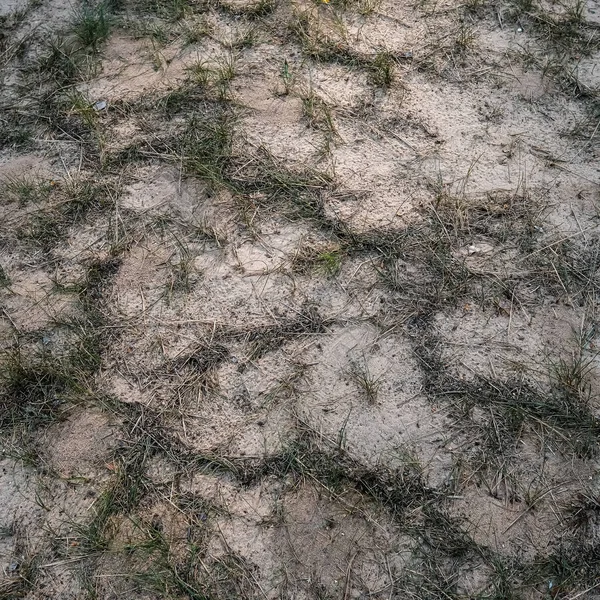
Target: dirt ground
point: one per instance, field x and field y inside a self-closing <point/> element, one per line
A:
<point x="299" y="300"/>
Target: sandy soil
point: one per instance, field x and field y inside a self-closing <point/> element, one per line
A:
<point x="343" y="343"/>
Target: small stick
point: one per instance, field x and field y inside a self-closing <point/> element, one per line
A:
<point x="510" y="313"/>
<point x="578" y="223"/>
<point x="584" y="592"/>
<point x="348" y="572"/>
<point x="564" y="239"/>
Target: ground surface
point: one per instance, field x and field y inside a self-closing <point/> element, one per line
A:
<point x="299" y="299"/>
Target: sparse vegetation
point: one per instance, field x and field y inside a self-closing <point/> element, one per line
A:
<point x="246" y="38"/>
<point x="37" y="388"/>
<point x="54" y="205"/>
<point x="26" y="189"/>
<point x="195" y="31"/>
<point x="293" y="305"/>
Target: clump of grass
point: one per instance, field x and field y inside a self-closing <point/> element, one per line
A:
<point x="207" y="150"/>
<point x="171" y="567"/>
<point x="213" y="76"/>
<point x="492" y="465"/>
<point x="251" y="10"/>
<point x="583" y="515"/>
<point x="261" y="8"/>
<point x="573" y="375"/>
<point x="194" y="31"/>
<point x="155" y="30"/>
<point x="369" y="385"/>
<point x="570" y="571"/>
<point x="444" y="278"/>
<point x="71" y="55"/>
<point x="426" y="265"/>
<point x="195" y="371"/>
<point x="246" y="38"/>
<point x="465" y="38"/>
<point x="287" y="77"/>
<point x="500" y="216"/>
<point x="22" y="580"/>
<point x="268" y="184"/>
<point x="172" y="10"/>
<point x="207" y="147"/>
<point x="317" y="112"/>
<point x="382" y="69"/>
<point x="34" y="390"/>
<point x="61" y="62"/>
<point x="98" y="277"/>
<point x="145" y="439"/>
<point x="80" y="105"/>
<point x="182" y="271"/>
<point x="122" y="496"/>
<point x="62" y="109"/>
<point x="14" y="134"/>
<point x="266" y="339"/>
<point x="73" y="199"/>
<point x="475" y="6"/>
<point x="27" y="189"/>
<point x="323" y="43"/>
<point x="327" y="262"/>
<point x="196" y="92"/>
<point x="201" y="73"/>
<point x="363" y="7"/>
<point x="226" y="71"/>
<point x="42" y="229"/>
<point x="91" y="25"/>
<point x="561" y="28"/>
<point x="319" y="116"/>
<point x="567" y="269"/>
<point x="320" y="44"/>
<point x="83" y="194"/>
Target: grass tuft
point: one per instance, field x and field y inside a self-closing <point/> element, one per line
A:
<point x="325" y="259"/>
<point x="60" y="204"/>
<point x="207" y="147"/>
<point x="269" y="338"/>
<point x="367" y="383"/>
<point x="565" y="420"/>
<point x="382" y="69"/>
<point x="61" y="62"/>
<point x="252" y="10"/>
<point x="26" y="189"/>
<point x="91" y="25"/>
<point x="195" y="371"/>
<point x="36" y="389"/>
<point x="573" y="376"/>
